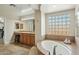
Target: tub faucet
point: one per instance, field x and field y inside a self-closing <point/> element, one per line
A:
<point x="49" y="53"/>
<point x="54" y="50"/>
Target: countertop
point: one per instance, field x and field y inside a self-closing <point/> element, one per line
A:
<point x="24" y="32"/>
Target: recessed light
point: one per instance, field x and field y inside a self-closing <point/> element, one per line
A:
<point x="26" y="10"/>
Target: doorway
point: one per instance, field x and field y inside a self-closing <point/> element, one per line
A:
<point x="1" y="30"/>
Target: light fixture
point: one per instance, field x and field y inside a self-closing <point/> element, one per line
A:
<point x="28" y="18"/>
<point x="26" y="10"/>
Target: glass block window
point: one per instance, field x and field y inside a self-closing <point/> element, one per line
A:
<point x="59" y="25"/>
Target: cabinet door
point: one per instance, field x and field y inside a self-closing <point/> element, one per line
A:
<point x="28" y="41"/>
<point x="32" y="39"/>
<point x="21" y="38"/>
<point x="25" y="38"/>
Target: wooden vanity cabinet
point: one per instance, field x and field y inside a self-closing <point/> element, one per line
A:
<point x="32" y="39"/>
<point x="27" y="38"/>
<point x="21" y="38"/>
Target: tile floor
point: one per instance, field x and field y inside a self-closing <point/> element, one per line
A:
<point x="1" y="41"/>
<point x="13" y="50"/>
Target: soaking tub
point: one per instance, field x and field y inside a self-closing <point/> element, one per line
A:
<point x="49" y="47"/>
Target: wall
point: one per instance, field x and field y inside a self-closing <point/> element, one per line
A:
<point x="8" y="11"/>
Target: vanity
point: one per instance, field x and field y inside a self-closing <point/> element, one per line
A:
<point x="27" y="38"/>
<point x="24" y="32"/>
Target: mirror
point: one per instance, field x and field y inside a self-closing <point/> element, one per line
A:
<point x="19" y="25"/>
<point x="29" y="25"/>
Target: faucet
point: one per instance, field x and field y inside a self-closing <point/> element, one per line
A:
<point x="54" y="50"/>
<point x="49" y="53"/>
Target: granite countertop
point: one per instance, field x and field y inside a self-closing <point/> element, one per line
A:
<point x="24" y="32"/>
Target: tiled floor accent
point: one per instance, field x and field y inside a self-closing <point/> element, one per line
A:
<point x="13" y="50"/>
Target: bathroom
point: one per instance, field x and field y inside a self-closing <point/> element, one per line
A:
<point x="55" y="25"/>
<point x="46" y="29"/>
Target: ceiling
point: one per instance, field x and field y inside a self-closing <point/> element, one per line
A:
<point x="25" y="9"/>
<point x="48" y="8"/>
<point x="22" y="6"/>
<point x="12" y="12"/>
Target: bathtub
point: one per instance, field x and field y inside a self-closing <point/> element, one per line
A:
<point x="47" y="47"/>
